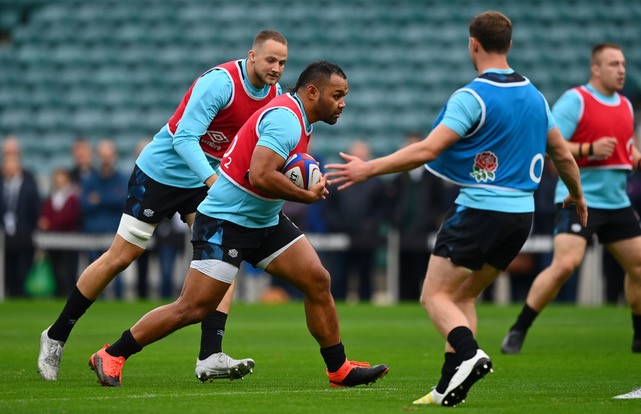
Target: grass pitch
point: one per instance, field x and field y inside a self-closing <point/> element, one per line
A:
<point x="574" y="361"/>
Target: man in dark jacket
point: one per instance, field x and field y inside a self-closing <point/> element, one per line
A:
<point x="19" y="209"/>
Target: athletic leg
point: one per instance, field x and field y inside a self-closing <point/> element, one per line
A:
<point x="569" y="250"/>
<point x="212" y="362"/>
<point x="91" y="283"/>
<point x="299" y="264"/>
<point x="628" y="253"/>
<point x="199" y="297"/>
<point x="568" y="254"/>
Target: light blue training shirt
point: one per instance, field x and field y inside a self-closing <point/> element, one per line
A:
<point x="179" y="161"/>
<point x="278" y="130"/>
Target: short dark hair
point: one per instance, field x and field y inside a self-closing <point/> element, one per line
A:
<point x="597" y="49"/>
<point x="493" y="30"/>
<point x="265" y="35"/>
<point x="320" y="72"/>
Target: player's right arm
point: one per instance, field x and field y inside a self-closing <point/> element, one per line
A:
<point x="568" y="171"/>
<point x="461" y="112"/>
<point x="210" y="93"/>
<point x="279" y="133"/>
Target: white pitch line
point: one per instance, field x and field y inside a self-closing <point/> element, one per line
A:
<point x="193" y="394"/>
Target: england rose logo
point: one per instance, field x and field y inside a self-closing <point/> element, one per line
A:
<point x="485" y="164"/>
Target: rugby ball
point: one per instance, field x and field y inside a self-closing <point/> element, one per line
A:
<point x="302" y="170"/>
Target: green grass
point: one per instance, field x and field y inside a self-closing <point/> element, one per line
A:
<point x="574" y="361"/>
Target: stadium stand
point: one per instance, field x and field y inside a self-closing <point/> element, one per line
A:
<point x="117" y="68"/>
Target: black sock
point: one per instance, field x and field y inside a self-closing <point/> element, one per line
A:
<point x="75" y="307"/>
<point x="462" y="340"/>
<point x="525" y="319"/>
<point x="452" y="361"/>
<point x="636" y="326"/>
<point x="334" y="356"/>
<point x="212" y="329"/>
<point x="125" y="347"/>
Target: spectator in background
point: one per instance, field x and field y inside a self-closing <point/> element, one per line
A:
<point x="418" y="200"/>
<point x="102" y="198"/>
<point x="358" y="212"/>
<point x="19" y="209"/>
<point x="82" y="154"/>
<point x="61" y="213"/>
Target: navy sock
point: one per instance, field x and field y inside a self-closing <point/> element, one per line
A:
<point x="636" y="326"/>
<point x="452" y="361"/>
<point x="212" y="329"/>
<point x="75" y="307"/>
<point x="525" y="319"/>
<point x="462" y="340"/>
<point x="125" y="347"/>
<point x="334" y="356"/>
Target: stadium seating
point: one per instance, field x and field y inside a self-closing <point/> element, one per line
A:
<point x="117" y="68"/>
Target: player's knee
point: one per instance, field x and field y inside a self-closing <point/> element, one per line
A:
<point x="424" y="300"/>
<point x="135" y="231"/>
<point x="565" y="267"/>
<point x="318" y="279"/>
<point x="428" y="298"/>
<point x="119" y="259"/>
<point x="189" y="312"/>
<point x="195" y="314"/>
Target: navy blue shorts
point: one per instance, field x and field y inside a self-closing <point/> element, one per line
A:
<point x="609" y="225"/>
<point x="226" y="241"/>
<point x="471" y="237"/>
<point x="150" y="201"/>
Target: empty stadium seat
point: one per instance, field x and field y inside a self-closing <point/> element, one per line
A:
<point x="118" y="68"/>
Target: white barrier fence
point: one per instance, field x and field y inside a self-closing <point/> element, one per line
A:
<point x="590" y="289"/>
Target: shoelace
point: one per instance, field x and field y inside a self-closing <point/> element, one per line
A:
<point x="114" y="367"/>
<point x="360" y="364"/>
<point x="54" y="354"/>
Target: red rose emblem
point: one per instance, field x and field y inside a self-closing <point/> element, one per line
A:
<point x="485" y="164"/>
<point x="486" y="161"/>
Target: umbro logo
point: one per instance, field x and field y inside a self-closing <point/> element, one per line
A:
<point x="233" y="253"/>
<point x="148" y="212"/>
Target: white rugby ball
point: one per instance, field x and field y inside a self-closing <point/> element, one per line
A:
<point x="302" y="170"/>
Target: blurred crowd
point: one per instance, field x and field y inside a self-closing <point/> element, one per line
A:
<point x="86" y="198"/>
<point x="89" y="197"/>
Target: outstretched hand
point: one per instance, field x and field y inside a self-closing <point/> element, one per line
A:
<point x="348" y="174"/>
